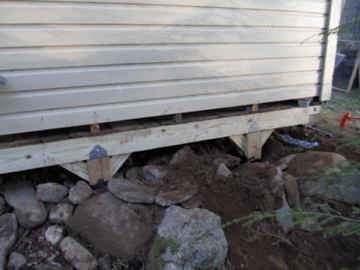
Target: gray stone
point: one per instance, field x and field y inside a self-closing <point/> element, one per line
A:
<point x="54" y="234"/>
<point x="194" y="202"/>
<point x="284" y="217"/>
<point x="51" y="192"/>
<point x="113" y="226"/>
<point x="181" y="155"/>
<point x="132" y="191"/>
<point x="153" y="173"/>
<point x="174" y="197"/>
<point x="77" y="255"/>
<point x="60" y="213"/>
<point x="324" y="176"/>
<point x="2" y="205"/>
<point x="21" y="196"/>
<point x="188" y="239"/>
<point x="223" y="170"/>
<point x="8" y="231"/>
<point x="16" y="261"/>
<point x="292" y="191"/>
<point x="104" y="262"/>
<point x="80" y="192"/>
<point x="229" y="161"/>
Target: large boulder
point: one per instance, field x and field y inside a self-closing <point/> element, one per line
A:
<point x="321" y="173"/>
<point x="188" y="239"/>
<point x="113" y="226"/>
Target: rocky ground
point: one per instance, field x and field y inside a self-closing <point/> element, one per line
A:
<point x="53" y="220"/>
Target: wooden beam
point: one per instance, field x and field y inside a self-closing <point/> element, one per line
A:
<point x="79" y="168"/>
<point x="117" y="161"/>
<point x="265" y="135"/>
<point x="72" y="150"/>
<point x="99" y="169"/>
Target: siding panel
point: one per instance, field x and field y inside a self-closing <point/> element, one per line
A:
<point x="78" y="62"/>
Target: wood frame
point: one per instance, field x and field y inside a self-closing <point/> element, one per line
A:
<point x="70" y="153"/>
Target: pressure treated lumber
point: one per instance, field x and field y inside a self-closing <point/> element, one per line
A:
<point x="72" y="150"/>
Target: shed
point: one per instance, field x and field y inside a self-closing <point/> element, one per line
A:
<point x="91" y="81"/>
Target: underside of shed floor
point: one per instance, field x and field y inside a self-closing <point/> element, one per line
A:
<point x="98" y="152"/>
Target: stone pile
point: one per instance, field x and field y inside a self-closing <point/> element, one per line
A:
<point x="118" y="222"/>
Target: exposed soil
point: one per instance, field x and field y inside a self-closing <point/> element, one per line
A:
<point x="263" y="245"/>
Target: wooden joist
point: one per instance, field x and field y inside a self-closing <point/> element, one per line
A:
<point x="78" y="149"/>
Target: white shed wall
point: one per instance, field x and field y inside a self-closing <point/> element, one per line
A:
<point x="78" y="62"/>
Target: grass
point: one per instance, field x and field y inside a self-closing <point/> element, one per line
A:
<point x="341" y="103"/>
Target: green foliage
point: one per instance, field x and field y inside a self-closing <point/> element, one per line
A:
<point x="328" y="217"/>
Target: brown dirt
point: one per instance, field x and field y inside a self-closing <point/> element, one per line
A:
<point x="262" y="245"/>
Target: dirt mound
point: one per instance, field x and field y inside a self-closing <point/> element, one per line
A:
<point x="249" y="188"/>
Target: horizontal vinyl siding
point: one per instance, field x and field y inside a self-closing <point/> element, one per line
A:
<point x="72" y="63"/>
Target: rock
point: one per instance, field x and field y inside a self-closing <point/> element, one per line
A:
<point x="51" y="192"/>
<point x="134" y="173"/>
<point x="104" y="262"/>
<point x="60" y="213"/>
<point x="229" y="161"/>
<point x="292" y="191"/>
<point x="284" y="217"/>
<point x="194" y="202"/>
<point x="16" y="261"/>
<point x="278" y="262"/>
<point x="223" y="170"/>
<point x="80" y="192"/>
<point x="153" y="173"/>
<point x="77" y="255"/>
<point x="132" y="191"/>
<point x="174" y="197"/>
<point x="2" y="205"/>
<point x="181" y="155"/>
<point x="54" y="234"/>
<point x="113" y="226"/>
<point x="316" y="168"/>
<point x="8" y="231"/>
<point x="21" y="196"/>
<point x="188" y="239"/>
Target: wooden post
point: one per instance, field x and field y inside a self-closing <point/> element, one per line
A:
<point x="253" y="141"/>
<point x="99" y="169"/>
<point x="178" y="118"/>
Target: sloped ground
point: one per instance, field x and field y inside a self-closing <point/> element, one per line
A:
<point x="263" y="245"/>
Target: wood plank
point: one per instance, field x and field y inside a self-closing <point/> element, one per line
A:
<point x="42" y="120"/>
<point x="76" y="77"/>
<point x="85" y="131"/>
<point x="54" y="135"/>
<point x="7" y="141"/>
<point x="284" y="5"/>
<point x="79" y="168"/>
<point x="98" y="14"/>
<point x="126" y="125"/>
<point x="58" y="57"/>
<point x="93" y="95"/>
<point x="117" y="161"/>
<point x="178" y="118"/>
<point x="58" y="35"/>
<point x="265" y="135"/>
<point x="198" y="116"/>
<point x="330" y="51"/>
<point x="48" y="154"/>
<point x="99" y="169"/>
<point x="26" y="139"/>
